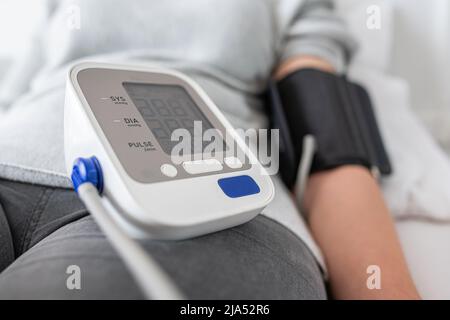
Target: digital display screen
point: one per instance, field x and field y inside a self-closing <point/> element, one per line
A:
<point x="166" y="108"/>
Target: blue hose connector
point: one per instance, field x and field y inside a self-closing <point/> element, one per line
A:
<point x="87" y="170"/>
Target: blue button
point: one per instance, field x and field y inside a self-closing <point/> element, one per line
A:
<point x="239" y="186"/>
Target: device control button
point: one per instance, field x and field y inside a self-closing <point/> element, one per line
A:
<point x="202" y="166"/>
<point x="233" y="162"/>
<point x="239" y="186"/>
<point x="169" y="170"/>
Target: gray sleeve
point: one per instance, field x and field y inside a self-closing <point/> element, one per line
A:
<point x="312" y="28"/>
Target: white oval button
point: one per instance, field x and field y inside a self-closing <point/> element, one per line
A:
<point x="202" y="166"/>
<point x="169" y="170"/>
<point x="233" y="162"/>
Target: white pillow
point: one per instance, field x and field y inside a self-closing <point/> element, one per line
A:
<point x="420" y="184"/>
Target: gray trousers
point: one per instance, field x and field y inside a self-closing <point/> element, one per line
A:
<point x="44" y="231"/>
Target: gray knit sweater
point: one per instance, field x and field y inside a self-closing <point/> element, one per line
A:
<point x="229" y="46"/>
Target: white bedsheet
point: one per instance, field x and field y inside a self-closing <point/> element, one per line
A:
<point x="426" y="246"/>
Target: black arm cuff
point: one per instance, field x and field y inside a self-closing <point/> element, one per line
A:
<point x="336" y="112"/>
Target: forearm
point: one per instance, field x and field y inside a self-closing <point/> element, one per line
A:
<point x="352" y="226"/>
<point x="351" y="223"/>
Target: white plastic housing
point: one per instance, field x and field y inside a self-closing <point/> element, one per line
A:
<point x="164" y="210"/>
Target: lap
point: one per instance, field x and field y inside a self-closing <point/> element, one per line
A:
<point x="260" y="259"/>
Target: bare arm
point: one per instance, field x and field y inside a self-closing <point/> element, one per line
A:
<point x="352" y="225"/>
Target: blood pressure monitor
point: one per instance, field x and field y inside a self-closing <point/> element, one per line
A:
<point x="126" y="117"/>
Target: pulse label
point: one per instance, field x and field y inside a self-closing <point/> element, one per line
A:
<point x="143" y="145"/>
